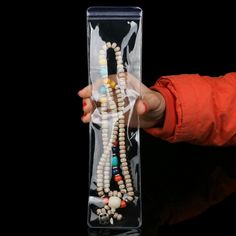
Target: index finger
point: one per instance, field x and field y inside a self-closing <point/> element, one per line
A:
<point x="85" y="92"/>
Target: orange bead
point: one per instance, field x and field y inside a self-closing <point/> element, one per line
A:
<point x="118" y="178"/>
<point x="123" y="204"/>
<point x="115" y="143"/>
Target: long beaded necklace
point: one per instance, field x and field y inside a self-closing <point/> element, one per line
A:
<point x="113" y="166"/>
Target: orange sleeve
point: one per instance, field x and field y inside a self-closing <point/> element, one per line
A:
<point x="199" y="109"/>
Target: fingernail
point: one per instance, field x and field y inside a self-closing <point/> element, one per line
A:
<point x="84" y="104"/>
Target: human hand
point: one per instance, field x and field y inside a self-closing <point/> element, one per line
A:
<point x="150" y="107"/>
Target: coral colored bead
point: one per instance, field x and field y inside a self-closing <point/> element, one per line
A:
<point x="105" y="200"/>
<point x="115" y="143"/>
<point x="118" y="178"/>
<point x="123" y="204"/>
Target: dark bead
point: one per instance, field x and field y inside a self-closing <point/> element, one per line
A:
<point x="115" y="149"/>
<point x="115" y="171"/>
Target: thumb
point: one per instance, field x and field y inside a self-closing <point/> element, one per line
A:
<point x="151" y="102"/>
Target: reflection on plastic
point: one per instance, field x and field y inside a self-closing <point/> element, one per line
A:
<point x="105" y="232"/>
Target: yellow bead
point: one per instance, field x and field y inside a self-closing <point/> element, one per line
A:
<point x="106" y="81"/>
<point x="102" y="62"/>
<point x="103" y="99"/>
<point x="112" y="84"/>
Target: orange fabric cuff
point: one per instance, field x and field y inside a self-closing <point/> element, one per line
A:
<point x="166" y="132"/>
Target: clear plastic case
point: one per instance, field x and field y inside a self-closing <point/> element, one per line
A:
<point x="114" y="64"/>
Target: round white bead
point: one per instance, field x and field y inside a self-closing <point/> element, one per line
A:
<point x="99" y="189"/>
<point x="120" y="70"/>
<point x="99" y="167"/>
<point x="120" y="66"/>
<point x="120" y="100"/>
<point x="121" y="138"/>
<point x="123" y="191"/>
<point x="120" y="104"/>
<point x="118" y="58"/>
<point x="106" y="180"/>
<point x="114" y="45"/>
<point x="121" y="121"/>
<point x="127" y="176"/>
<point x="99" y="176"/>
<point x="115" y="215"/>
<point x="131" y="194"/>
<point x="119" y="217"/>
<point x="106" y="190"/>
<point x="114" y="202"/>
<point x="120" y="182"/>
<point x="124" y="164"/>
<point x="108" y="45"/>
<point x="113" y="107"/>
<point x="121" y="186"/>
<point x="118" y="53"/>
<point x="130" y="189"/>
<point x="120" y="61"/>
<point x="117" y="91"/>
<point x="117" y="49"/>
<point x="125" y="168"/>
<point x="130" y="198"/>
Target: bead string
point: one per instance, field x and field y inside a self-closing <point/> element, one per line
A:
<point x="113" y="159"/>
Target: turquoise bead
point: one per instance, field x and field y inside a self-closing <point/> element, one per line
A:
<point x="103" y="71"/>
<point x="103" y="89"/>
<point x="114" y="161"/>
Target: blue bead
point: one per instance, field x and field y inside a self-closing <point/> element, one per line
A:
<point x="115" y="149"/>
<point x="103" y="89"/>
<point x="103" y="71"/>
<point x="115" y="171"/>
<point x="114" y="161"/>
